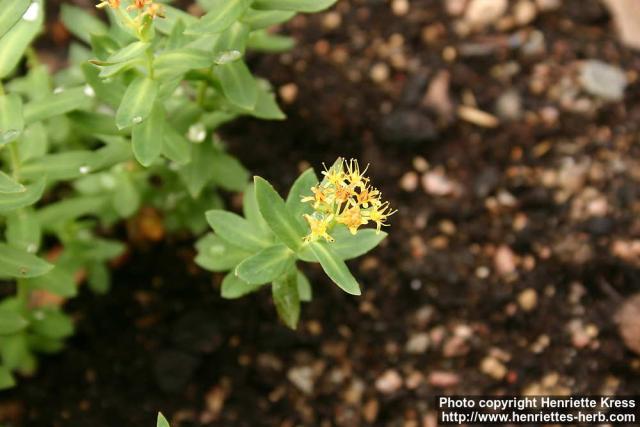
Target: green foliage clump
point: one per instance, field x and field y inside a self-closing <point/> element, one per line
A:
<point x="141" y="98"/>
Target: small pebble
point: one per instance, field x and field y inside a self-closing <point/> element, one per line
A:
<point x="332" y="20"/>
<point x="628" y="319"/>
<point x="288" y="93"/>
<point x="481" y="13"/>
<point x="389" y="382"/>
<point x="302" y="378"/>
<point x="409" y="181"/>
<point x="417" y="343"/>
<point x="603" y="80"/>
<point x="400" y="7"/>
<point x="493" y="368"/>
<point x="379" y="72"/>
<point x="524" y="12"/>
<point x="528" y="299"/>
<point x="443" y="379"/>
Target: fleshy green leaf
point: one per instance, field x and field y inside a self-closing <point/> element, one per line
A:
<point x="263" y="41"/>
<point x="265" y="266"/>
<point x="179" y="61"/>
<point x="80" y="23"/>
<point x="137" y="103"/>
<point x="301" y="188"/>
<point x="94" y="123"/>
<point x="304" y="287"/>
<point x="23" y="230"/>
<point x="67" y="210"/>
<point x="61" y="166"/>
<point x="9" y="185"/>
<point x="14" y="43"/>
<point x="335" y="268"/>
<point x="56" y="104"/>
<point x="98" y="277"/>
<point x="146" y="137"/>
<point x="215" y="254"/>
<point x="11" y="321"/>
<point x="111" y="92"/>
<point x="307" y="6"/>
<point x="275" y="213"/>
<point x="251" y="211"/>
<point x="287" y="299"/>
<point x="13" y="201"/>
<point x="162" y="421"/>
<point x="228" y="172"/>
<point x="10" y="12"/>
<point x="347" y="245"/>
<point x="58" y="281"/>
<point x="51" y="323"/>
<point x="233" y="287"/>
<point x="6" y="378"/>
<point x="129" y="52"/>
<point x="11" y="119"/>
<point x="238" y="85"/>
<point x="222" y="14"/>
<point x="18" y="263"/>
<point x="126" y="199"/>
<point x="259" y="19"/>
<point x="175" y="146"/>
<point x="236" y="230"/>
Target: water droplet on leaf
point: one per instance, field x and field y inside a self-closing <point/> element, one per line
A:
<point x="84" y="169"/>
<point x="9" y="136"/>
<point x="32" y="12"/>
<point x="197" y="133"/>
<point x="228" y="56"/>
<point x="136" y="120"/>
<point x="88" y="91"/>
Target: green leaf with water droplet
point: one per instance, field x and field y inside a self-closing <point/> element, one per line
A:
<point x="11" y="118"/>
<point x="57" y="104"/>
<point x="215" y="254"/>
<point x="236" y="230"/>
<point x="179" y="61"/>
<point x="137" y="102"/>
<point x="14" y="43"/>
<point x="10" y="13"/>
<point x="175" y="146"/>
<point x="238" y="85"/>
<point x="23" y="230"/>
<point x="51" y="323"/>
<point x="146" y="137"/>
<point x="17" y="263"/>
<point x="61" y="166"/>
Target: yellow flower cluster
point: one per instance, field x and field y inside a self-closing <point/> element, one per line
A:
<point x="345" y="197"/>
<point x="143" y="7"/>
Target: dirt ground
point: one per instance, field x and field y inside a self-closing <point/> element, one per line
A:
<point x="517" y="237"/>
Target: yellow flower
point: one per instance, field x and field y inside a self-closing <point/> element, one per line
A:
<point x="113" y="4"/>
<point x="334" y="175"/>
<point x="154" y="10"/>
<point x="352" y="218"/>
<point x="319" y="197"/>
<point x="342" y="193"/>
<point x="355" y="177"/>
<point x="379" y="215"/>
<point x="318" y="228"/>
<point x="367" y="195"/>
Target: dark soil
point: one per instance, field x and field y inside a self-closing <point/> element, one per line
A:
<point x="511" y="252"/>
